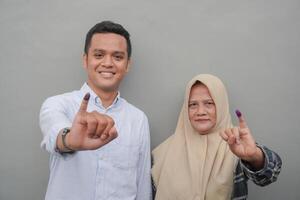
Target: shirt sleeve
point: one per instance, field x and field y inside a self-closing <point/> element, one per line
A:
<point x="152" y="183"/>
<point x="144" y="164"/>
<point x="53" y="118"/>
<point x="268" y="173"/>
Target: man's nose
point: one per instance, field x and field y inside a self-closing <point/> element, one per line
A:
<point x="107" y="61"/>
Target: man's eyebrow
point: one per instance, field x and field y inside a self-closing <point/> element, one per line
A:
<point x="119" y="52"/>
<point x="98" y="50"/>
<point x="114" y="52"/>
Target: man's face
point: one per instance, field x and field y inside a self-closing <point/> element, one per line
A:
<point x="106" y="62"/>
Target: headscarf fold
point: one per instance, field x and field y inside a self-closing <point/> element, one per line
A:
<point x="190" y="166"/>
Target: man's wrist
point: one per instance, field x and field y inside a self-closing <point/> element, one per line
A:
<point x="62" y="145"/>
<point x="64" y="135"/>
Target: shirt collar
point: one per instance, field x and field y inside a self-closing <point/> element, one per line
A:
<point x="95" y="99"/>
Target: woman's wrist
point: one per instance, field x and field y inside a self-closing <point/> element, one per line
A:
<point x="256" y="161"/>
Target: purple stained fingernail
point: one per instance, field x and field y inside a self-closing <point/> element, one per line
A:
<point x="87" y="96"/>
<point x="238" y="113"/>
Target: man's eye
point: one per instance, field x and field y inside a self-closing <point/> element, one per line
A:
<point x="98" y="55"/>
<point x="118" y="57"/>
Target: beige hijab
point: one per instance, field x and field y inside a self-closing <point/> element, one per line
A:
<point x="190" y="166"/>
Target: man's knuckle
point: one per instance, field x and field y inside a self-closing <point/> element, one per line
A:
<point x="102" y="122"/>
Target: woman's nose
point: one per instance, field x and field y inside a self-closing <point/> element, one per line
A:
<point x="201" y="110"/>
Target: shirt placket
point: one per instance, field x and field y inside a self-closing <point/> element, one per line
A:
<point x="101" y="192"/>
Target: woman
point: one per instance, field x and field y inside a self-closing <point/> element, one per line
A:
<point x="208" y="158"/>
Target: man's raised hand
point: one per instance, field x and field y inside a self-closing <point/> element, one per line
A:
<point x="90" y="130"/>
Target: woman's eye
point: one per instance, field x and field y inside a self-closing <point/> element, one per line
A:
<point x="210" y="103"/>
<point x="191" y="105"/>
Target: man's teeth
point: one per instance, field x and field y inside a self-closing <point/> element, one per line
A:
<point x="107" y="74"/>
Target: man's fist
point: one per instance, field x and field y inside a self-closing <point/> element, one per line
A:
<point x="89" y="131"/>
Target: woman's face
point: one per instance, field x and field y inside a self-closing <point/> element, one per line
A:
<point x="202" y="109"/>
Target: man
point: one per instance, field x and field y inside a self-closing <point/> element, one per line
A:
<point x="99" y="144"/>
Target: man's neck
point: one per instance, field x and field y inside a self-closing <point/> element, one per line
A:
<point x="107" y="97"/>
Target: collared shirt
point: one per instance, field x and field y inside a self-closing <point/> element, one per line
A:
<point x="115" y="171"/>
<point x="244" y="172"/>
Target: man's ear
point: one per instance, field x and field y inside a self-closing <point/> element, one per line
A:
<point x="84" y="61"/>
<point x="128" y="65"/>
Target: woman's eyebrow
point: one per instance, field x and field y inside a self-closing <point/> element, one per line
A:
<point x="192" y="100"/>
<point x="209" y="99"/>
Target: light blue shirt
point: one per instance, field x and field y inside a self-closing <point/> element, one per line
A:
<point x="119" y="170"/>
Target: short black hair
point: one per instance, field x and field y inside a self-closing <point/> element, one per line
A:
<point x="107" y="27"/>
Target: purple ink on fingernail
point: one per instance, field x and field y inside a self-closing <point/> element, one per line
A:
<point x="87" y="96"/>
<point x="238" y="113"/>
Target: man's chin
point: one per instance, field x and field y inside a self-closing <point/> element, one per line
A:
<point x="109" y="88"/>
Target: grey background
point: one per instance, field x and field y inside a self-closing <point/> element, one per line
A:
<point x="253" y="46"/>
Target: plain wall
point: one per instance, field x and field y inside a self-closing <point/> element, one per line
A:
<point x="253" y="46"/>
